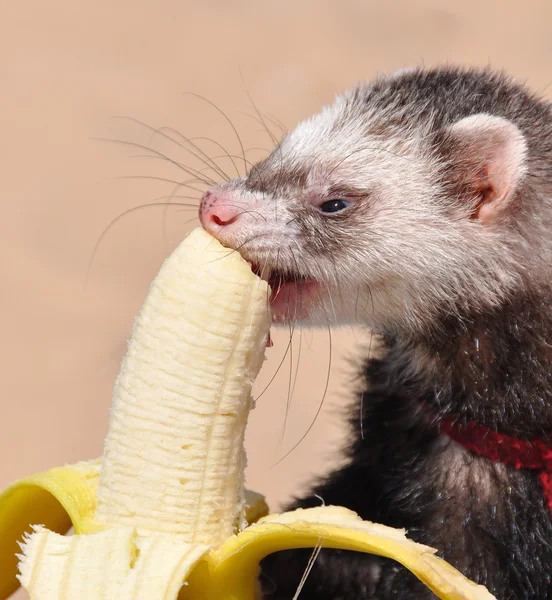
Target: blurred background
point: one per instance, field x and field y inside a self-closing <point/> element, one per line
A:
<point x="75" y="71"/>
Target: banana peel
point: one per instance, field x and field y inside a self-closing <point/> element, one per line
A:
<point x="137" y="534"/>
<point x="60" y="499"/>
<point x="64" y="497"/>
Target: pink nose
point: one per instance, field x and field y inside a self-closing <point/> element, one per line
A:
<point x="217" y="211"/>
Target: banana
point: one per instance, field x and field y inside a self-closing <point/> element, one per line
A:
<point x="174" y="456"/>
<point x="164" y="513"/>
<point x="116" y="563"/>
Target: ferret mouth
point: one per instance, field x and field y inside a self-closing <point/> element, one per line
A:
<point x="292" y="294"/>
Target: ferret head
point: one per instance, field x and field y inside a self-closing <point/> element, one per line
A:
<point x="407" y="198"/>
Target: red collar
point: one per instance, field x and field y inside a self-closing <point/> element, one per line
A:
<point x="498" y="447"/>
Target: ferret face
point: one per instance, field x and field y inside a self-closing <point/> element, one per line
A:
<point x="356" y="218"/>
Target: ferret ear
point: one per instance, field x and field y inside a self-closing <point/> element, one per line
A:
<point x="489" y="162"/>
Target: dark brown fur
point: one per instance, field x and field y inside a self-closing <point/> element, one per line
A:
<point x="492" y="364"/>
<point x="489" y="520"/>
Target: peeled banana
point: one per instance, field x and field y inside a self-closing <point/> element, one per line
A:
<point x="174" y="456"/>
<point x="164" y="513"/>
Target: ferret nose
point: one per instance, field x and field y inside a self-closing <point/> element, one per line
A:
<point x="217" y="211"/>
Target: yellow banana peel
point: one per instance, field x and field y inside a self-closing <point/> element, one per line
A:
<point x="65" y="497"/>
<point x="164" y="514"/>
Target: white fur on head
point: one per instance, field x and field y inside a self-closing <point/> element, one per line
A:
<point x="494" y="152"/>
<point x="415" y="242"/>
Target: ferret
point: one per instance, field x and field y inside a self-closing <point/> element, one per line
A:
<point x="419" y="206"/>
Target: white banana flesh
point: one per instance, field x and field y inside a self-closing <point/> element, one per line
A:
<point x="174" y="455"/>
<point x="115" y="564"/>
<point x="172" y="475"/>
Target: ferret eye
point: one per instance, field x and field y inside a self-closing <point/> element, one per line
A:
<point x="333" y="206"/>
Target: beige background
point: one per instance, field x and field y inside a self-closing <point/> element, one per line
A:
<point x="67" y="67"/>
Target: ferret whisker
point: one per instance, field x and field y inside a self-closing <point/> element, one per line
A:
<point x="171" y="196"/>
<point x="287" y="350"/>
<point x="288" y="400"/>
<point x="271" y="380"/>
<point x="164" y="179"/>
<point x="278" y="259"/>
<point x="257" y="148"/>
<point x="292" y="326"/>
<point x="330" y="298"/>
<point x="275" y="121"/>
<point x="337" y="281"/>
<point x="248" y="162"/>
<point x="271" y="135"/>
<point x="263" y="267"/>
<point x="356" y="305"/>
<point x="300" y="339"/>
<point x="319" y="409"/>
<point x="165" y="216"/>
<point x="189" y="170"/>
<point x="112" y="224"/>
<point x="200" y="172"/>
<point x="202" y="156"/>
<point x="281" y="174"/>
<point x="273" y="138"/>
<point x="369" y="299"/>
<point x="228" y="120"/>
<point x="361" y="414"/>
<point x="226" y="154"/>
<point x="310" y="564"/>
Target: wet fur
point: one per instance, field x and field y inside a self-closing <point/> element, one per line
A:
<point x="463" y="309"/>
